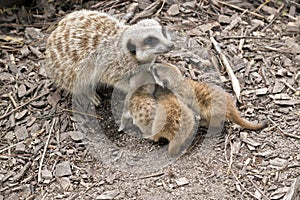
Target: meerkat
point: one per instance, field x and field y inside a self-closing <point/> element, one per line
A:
<point x="91" y="47"/>
<point x="211" y="102"/>
<point x="158" y="113"/>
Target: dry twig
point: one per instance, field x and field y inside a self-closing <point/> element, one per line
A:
<point x="234" y="81"/>
<point x="284" y="133"/>
<point x="21" y="106"/>
<point x="260" y="191"/>
<point x="241" y="9"/>
<point x="45" y="149"/>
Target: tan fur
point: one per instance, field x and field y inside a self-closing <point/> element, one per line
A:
<point x="91" y="47"/>
<point x="164" y="113"/>
<point x="212" y="102"/>
<point x="162" y="116"/>
<point x="157" y="112"/>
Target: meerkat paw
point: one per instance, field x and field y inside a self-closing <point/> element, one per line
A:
<point x="124" y="121"/>
<point x="95" y="99"/>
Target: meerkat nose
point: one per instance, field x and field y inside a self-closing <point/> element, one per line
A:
<point x="171" y="46"/>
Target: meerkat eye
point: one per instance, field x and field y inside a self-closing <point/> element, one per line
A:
<point x="151" y="41"/>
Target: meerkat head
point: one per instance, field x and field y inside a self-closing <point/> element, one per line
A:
<point x="165" y="74"/>
<point x="147" y="39"/>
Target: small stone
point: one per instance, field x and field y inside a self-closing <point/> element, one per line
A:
<point x="21" y="133"/>
<point x="108" y="195"/>
<point x="63" y="169"/>
<point x="46" y="174"/>
<point x="21" y="90"/>
<point x="20" y="148"/>
<point x="53" y="99"/>
<point x="33" y="33"/>
<point x="182" y="181"/>
<point x="278" y="87"/>
<point x="76" y="135"/>
<point x="173" y="10"/>
<point x="224" y="19"/>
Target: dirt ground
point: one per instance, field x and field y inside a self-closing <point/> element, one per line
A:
<point x="52" y="147"/>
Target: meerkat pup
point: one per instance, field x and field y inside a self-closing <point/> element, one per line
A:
<point x="158" y="113"/>
<point x="91" y="47"/>
<point x="212" y="102"/>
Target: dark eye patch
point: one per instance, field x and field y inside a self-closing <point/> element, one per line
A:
<point x="155" y="72"/>
<point x="151" y="41"/>
<point x="164" y="31"/>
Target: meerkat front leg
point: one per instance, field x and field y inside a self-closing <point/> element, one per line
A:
<point x="126" y="113"/>
<point x="140" y="83"/>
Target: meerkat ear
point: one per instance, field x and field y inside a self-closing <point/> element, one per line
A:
<point x="131" y="47"/>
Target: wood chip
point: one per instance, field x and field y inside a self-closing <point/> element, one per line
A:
<point x="46" y="174"/>
<point x="279" y="193"/>
<point x="224" y="19"/>
<point x="294" y="191"/>
<point x="282" y="96"/>
<point x="64" y="182"/>
<point x="261" y="91"/>
<point x="108" y="195"/>
<point x="173" y="10"/>
<point x="278" y="87"/>
<point x="21" y="133"/>
<point x="76" y="135"/>
<point x="244" y="138"/>
<point x="182" y="181"/>
<point x="20" y="115"/>
<point x="288" y="102"/>
<point x="278" y="162"/>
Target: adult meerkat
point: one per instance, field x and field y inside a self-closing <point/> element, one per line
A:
<point x="212" y="102"/>
<point x="158" y="113"/>
<point x="91" y="47"/>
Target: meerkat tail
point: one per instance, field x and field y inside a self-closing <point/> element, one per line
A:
<point x="233" y="115"/>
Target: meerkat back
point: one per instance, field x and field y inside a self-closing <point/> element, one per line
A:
<point x="75" y="38"/>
